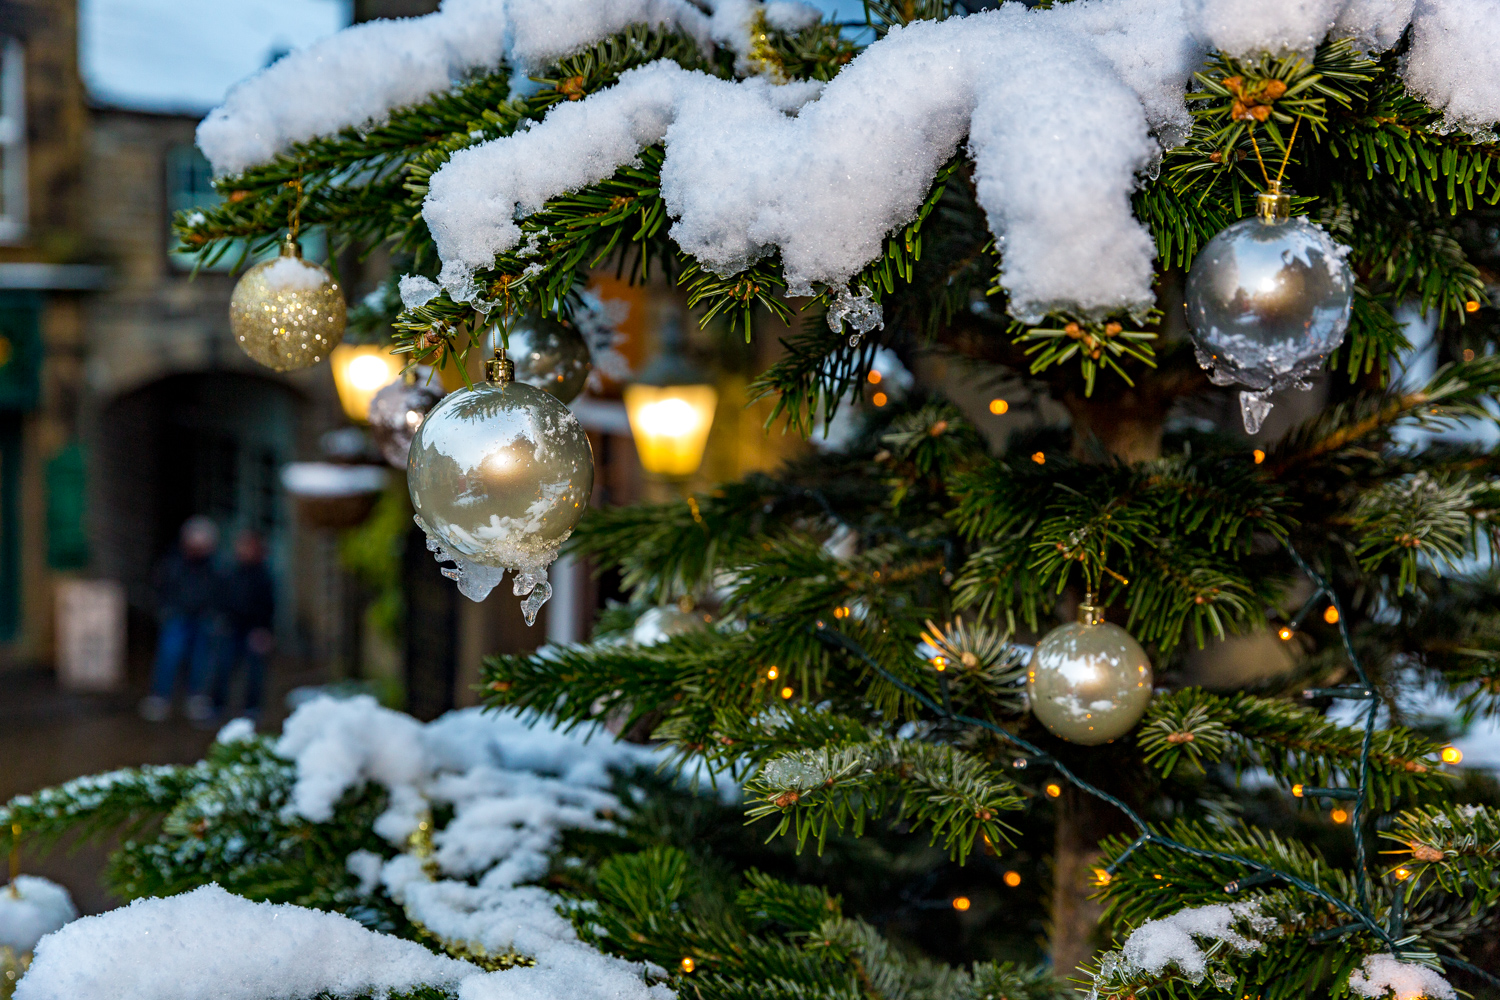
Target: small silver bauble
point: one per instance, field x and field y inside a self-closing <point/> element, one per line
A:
<point x="398" y="410"/>
<point x="499" y="476"/>
<point x="1268" y="300"/>
<point x="287" y="313"/>
<point x="549" y="355"/>
<point x="1090" y="681"/>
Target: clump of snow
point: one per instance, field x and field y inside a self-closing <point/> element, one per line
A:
<point x="240" y="730"/>
<point x="358" y="76"/>
<point x="417" y="291"/>
<point x="512" y="789"/>
<point x="1174" y="940"/>
<point x="31" y="908"/>
<point x="365" y="866"/>
<point x="340" y="744"/>
<point x="1275" y="26"/>
<point x="286" y="274"/>
<point x="208" y="943"/>
<point x="1380" y="976"/>
<point x="752" y="168"/>
<point x="1454" y="62"/>
<point x="745" y="177"/>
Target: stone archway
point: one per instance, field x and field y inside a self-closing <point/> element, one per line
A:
<point x="203" y="443"/>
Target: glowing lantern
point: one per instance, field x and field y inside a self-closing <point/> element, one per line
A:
<point x="671" y="409"/>
<point x="359" y="372"/>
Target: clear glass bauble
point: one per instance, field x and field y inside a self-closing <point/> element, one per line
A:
<point x="550" y="355"/>
<point x="1268" y="300"/>
<point x="397" y="411"/>
<point x="499" y="476"/>
<point x="1089" y="683"/>
<point x="287" y="313"/>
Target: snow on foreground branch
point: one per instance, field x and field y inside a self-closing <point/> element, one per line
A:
<point x="1202" y="943"/>
<point x="1061" y="109"/>
<point x="356" y="77"/>
<point x="512" y="791"/>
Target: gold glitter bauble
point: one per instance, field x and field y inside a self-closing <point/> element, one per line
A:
<point x="287" y="313"/>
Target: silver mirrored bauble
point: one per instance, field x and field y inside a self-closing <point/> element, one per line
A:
<point x="1268" y="300"/>
<point x="397" y="411"/>
<point x="287" y="313"/>
<point x="549" y="355"/>
<point x="1089" y="683"/>
<point x="499" y="476"/>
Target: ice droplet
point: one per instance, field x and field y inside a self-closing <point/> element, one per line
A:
<point x="536" y="585"/>
<point x="1253" y="407"/>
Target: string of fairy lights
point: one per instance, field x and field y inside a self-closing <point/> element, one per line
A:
<point x="1258" y="872"/>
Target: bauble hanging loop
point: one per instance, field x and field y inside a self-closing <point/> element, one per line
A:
<point x="1268" y="300"/>
<point x="1089" y="682"/>
<point x="287" y="313"/>
<point x="499" y="475"/>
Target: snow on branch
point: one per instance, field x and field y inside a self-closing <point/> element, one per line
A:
<point x="357" y="76"/>
<point x="1062" y="111"/>
<point x="465" y="758"/>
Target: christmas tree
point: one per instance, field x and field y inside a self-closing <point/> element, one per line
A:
<point x="1124" y="204"/>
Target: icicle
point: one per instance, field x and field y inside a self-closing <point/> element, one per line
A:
<point x="475" y="580"/>
<point x="537" y="586"/>
<point x="1253" y="407"/>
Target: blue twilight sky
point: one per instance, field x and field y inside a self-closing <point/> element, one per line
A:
<point x="182" y="56"/>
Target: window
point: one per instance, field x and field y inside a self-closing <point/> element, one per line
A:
<point x="12" y="141"/>
<point x="189" y="186"/>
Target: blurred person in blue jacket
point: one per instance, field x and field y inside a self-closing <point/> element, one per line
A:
<point x="247" y="605"/>
<point x="186" y="585"/>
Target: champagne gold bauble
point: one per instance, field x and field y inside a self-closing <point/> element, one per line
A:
<point x="1268" y="299"/>
<point x="499" y="476"/>
<point x="1089" y="682"/>
<point x="287" y="313"/>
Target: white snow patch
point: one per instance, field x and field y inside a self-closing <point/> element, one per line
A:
<point x="1171" y="940"/>
<point x="1383" y="975"/>
<point x="752" y="168"/>
<point x="293" y="274"/>
<point x="358" y="76"/>
<point x="31" y="908"/>
<point x="465" y="758"/>
<point x="417" y="291"/>
<point x="1454" y="62"/>
<point x="208" y="943"/>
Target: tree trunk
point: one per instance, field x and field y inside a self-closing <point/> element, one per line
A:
<point x="1126" y="425"/>
<point x="1082" y="821"/>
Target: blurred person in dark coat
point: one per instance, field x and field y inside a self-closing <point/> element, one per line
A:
<point x="247" y="604"/>
<point x="186" y="583"/>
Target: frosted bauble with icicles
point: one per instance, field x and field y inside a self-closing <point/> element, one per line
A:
<point x="1089" y="681"/>
<point x="1268" y="300"/>
<point x="499" y="475"/>
<point x="549" y="355"/>
<point x="287" y="313"/>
